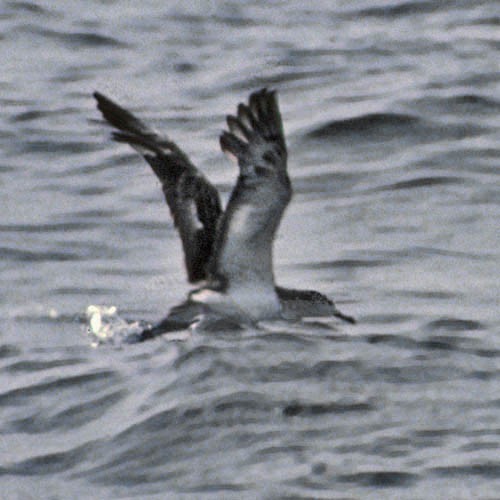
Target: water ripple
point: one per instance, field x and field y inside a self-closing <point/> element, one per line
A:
<point x="376" y="125"/>
<point x="50" y="463"/>
<point x="391" y="111"/>
<point x="313" y="410"/>
<point x="380" y="127"/>
<point x="81" y="40"/>
<point x="381" y="479"/>
<point x="400" y="9"/>
<point x="86" y="382"/>
<point x="488" y="469"/>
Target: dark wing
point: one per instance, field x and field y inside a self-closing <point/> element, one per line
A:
<point x="243" y="249"/>
<point x="194" y="203"/>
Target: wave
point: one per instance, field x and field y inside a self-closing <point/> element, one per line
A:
<point x="90" y="382"/>
<point x="474" y="100"/>
<point x="460" y="104"/>
<point x="58" y="147"/>
<point x="380" y="479"/>
<point x="31" y="7"/>
<point x="18" y="255"/>
<point x="402" y="9"/>
<point x="453" y="325"/>
<point x="37" y="114"/>
<point x="46" y="228"/>
<point x="487" y="469"/>
<point x="83" y="251"/>
<point x="383" y="127"/>
<point x="372" y="123"/>
<point x="81" y="39"/>
<point x="419" y="182"/>
<point x="50" y="463"/>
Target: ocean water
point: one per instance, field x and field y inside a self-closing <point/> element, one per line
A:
<point x="391" y="113"/>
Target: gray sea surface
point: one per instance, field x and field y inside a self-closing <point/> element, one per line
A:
<point x="391" y="110"/>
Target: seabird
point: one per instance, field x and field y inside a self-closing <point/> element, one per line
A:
<point x="228" y="253"/>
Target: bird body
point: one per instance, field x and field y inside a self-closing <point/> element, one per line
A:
<point x="229" y="251"/>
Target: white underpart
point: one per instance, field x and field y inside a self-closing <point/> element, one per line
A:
<point x="243" y="303"/>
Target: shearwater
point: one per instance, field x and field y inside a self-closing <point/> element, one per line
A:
<point x="228" y="253"/>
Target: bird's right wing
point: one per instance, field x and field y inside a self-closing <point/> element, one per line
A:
<point x="193" y="201"/>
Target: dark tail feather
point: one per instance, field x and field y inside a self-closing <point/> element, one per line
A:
<point x="344" y="317"/>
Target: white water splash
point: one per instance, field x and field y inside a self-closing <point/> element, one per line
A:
<point x="105" y="326"/>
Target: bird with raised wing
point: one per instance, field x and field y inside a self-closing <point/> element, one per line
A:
<point x="228" y="253"/>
